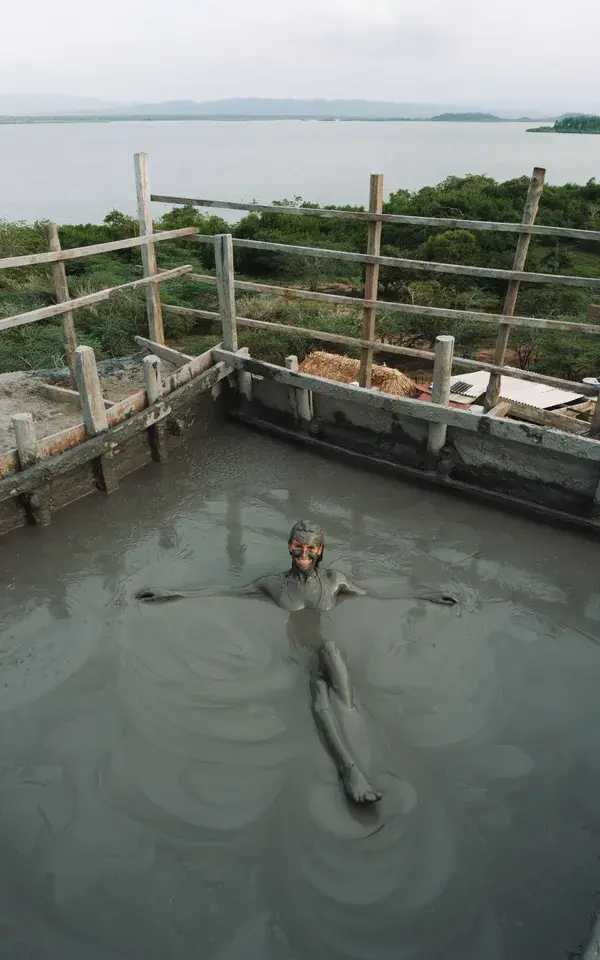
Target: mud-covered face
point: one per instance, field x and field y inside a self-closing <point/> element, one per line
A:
<point x="305" y="555"/>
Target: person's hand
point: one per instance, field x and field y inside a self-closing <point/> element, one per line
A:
<point x="155" y="596"/>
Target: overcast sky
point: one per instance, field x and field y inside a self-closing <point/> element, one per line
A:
<point x="496" y="51"/>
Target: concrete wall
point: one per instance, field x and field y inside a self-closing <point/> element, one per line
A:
<point x="509" y="472"/>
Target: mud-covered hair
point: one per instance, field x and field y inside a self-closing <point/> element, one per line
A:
<point x="306" y="532"/>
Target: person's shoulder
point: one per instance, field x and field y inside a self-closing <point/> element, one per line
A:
<point x="336" y="577"/>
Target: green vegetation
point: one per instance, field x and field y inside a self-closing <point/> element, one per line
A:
<point x="469" y="118"/>
<point x="576" y="124"/>
<point x="110" y="327"/>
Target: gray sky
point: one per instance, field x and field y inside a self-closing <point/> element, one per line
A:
<point x="496" y="51"/>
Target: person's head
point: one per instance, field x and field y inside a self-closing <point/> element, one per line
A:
<point x="306" y="544"/>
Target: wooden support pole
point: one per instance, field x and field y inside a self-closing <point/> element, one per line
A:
<point x="301" y="401"/>
<point x="95" y="420"/>
<point x="157" y="436"/>
<point x="244" y="378"/>
<point x="155" y="318"/>
<point x="440" y="391"/>
<point x="595" y="421"/>
<point x="532" y="203"/>
<point x="36" y="502"/>
<point x="226" y="290"/>
<point x="61" y="287"/>
<point x="371" y="278"/>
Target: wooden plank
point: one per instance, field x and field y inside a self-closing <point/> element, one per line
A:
<point x="500" y="410"/>
<point x="532" y="203"/>
<point x="594" y="311"/>
<point x="427" y="266"/>
<point x="446" y="222"/>
<point x="9" y="463"/>
<point x="371" y="278"/>
<point x="142" y="186"/>
<point x="440" y="391"/>
<point x="595" y="423"/>
<point x="107" y="442"/>
<point x="61" y="287"/>
<point x="74" y="253"/>
<point x="53" y="392"/>
<point x="225" y="281"/>
<point x="301" y="402"/>
<point x="548" y="418"/>
<point x="585" y="389"/>
<point x="154" y="392"/>
<point x="527" y="434"/>
<point x="57" y="309"/>
<point x="411" y="309"/>
<point x="194" y="368"/>
<point x="165" y="353"/>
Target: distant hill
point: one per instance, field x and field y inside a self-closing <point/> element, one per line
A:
<point x="20" y="104"/>
<point x="469" y="118"/>
<point x="572" y="123"/>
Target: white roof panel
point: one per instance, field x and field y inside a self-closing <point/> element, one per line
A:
<point x="521" y="391"/>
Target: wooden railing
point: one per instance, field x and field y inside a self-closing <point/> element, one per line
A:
<point x="373" y="260"/>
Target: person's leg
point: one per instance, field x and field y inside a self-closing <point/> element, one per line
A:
<point x="356" y="786"/>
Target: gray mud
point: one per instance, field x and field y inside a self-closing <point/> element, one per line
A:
<point x="163" y="790"/>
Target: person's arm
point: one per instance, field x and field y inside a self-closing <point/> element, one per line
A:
<point x="148" y="595"/>
<point x="344" y="585"/>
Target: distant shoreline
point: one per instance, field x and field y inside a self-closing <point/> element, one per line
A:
<point x="154" y="118"/>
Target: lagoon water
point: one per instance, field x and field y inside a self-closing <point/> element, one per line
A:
<point x="163" y="791"/>
<point x="74" y="173"/>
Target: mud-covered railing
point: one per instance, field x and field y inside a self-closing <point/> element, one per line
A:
<point x="375" y="218"/>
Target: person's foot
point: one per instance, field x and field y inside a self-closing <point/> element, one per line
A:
<point x="357" y="787"/>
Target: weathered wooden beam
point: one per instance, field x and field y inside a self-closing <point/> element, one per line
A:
<point x="594" y="311"/>
<point x="301" y="402"/>
<point x="57" y="309"/>
<point x="154" y="391"/>
<point x="165" y="353"/>
<point x="54" y="392"/>
<point x="109" y="442"/>
<point x="142" y="186"/>
<point x="528" y="434"/>
<point x="196" y="366"/>
<point x="440" y="391"/>
<point x="371" y="278"/>
<point x="532" y="203"/>
<point x="548" y="418"/>
<point x="595" y="421"/>
<point x="500" y="410"/>
<point x="426" y="266"/>
<point x="587" y="390"/>
<point x="61" y="288"/>
<point x="95" y="420"/>
<point x="225" y="280"/>
<point x="35" y="503"/>
<point x="74" y="253"/>
<point x="478" y="316"/>
<point x="446" y="222"/>
<point x="244" y="379"/>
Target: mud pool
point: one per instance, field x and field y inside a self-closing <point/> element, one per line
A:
<point x="163" y="790"/>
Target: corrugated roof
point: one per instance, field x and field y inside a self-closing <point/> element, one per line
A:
<point x="512" y="388"/>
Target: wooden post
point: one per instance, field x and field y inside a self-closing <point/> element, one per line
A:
<point x="440" y="391"/>
<point x="157" y="434"/>
<point x="35" y="503"/>
<point x="226" y="290"/>
<point x="245" y="378"/>
<point x="61" y="287"/>
<point x="95" y="420"/>
<point x="371" y="278"/>
<point x="532" y="203"/>
<point x="300" y="400"/>
<point x="595" y="421"/>
<point x="142" y="184"/>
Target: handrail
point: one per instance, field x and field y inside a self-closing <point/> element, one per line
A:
<point x="426" y="266"/>
<point x="399" y="218"/>
<point x="56" y="309"/>
<point x="292" y="293"/>
<point x="32" y="259"/>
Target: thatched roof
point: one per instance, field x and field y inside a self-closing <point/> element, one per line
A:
<point x="344" y="369"/>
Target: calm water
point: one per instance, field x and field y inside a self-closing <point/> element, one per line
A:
<point x="163" y="791"/>
<point x="77" y="172"/>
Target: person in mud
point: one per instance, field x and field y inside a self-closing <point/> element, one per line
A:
<point x="305" y="586"/>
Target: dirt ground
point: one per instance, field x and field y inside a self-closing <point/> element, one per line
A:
<point x="21" y="393"/>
